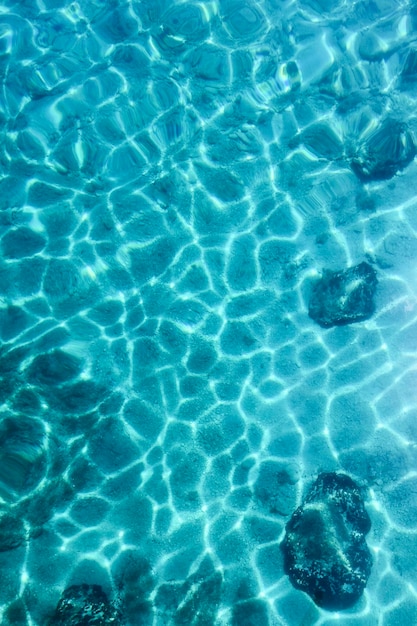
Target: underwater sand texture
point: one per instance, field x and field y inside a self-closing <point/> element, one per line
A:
<point x="176" y="178"/>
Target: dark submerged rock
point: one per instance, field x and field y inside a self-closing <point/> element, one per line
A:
<point x="250" y="613"/>
<point x="325" y="551"/>
<point x="82" y="605"/>
<point x="12" y="531"/>
<point x="387" y="150"/>
<point x="343" y="297"/>
<point x="23" y="458"/>
<point x="275" y="487"/>
<point x="408" y="76"/>
<point x="54" y="368"/>
<point x="194" y="602"/>
<point x="22" y="242"/>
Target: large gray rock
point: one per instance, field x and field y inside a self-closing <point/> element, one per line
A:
<point x="325" y="552"/>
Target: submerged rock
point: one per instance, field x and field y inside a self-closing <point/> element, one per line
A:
<point x="325" y="551"/>
<point x="408" y="75"/>
<point x="387" y="150"/>
<point x="275" y="487"/>
<point x="12" y="531"/>
<point x="23" y="457"/>
<point x="343" y="297"/>
<point x="82" y="605"/>
<point x="194" y="602"/>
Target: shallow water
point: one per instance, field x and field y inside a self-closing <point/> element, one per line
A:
<point x="176" y="180"/>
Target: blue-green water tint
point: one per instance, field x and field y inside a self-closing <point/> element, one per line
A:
<point x="181" y="185"/>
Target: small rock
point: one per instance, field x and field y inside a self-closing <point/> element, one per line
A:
<point x="343" y="297"/>
<point x="12" y="531"/>
<point x="275" y="487"/>
<point x="387" y="150"/>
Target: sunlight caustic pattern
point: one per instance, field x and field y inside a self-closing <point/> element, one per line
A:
<point x="207" y="300"/>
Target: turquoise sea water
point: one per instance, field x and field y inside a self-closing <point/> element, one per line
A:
<point x="184" y="186"/>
